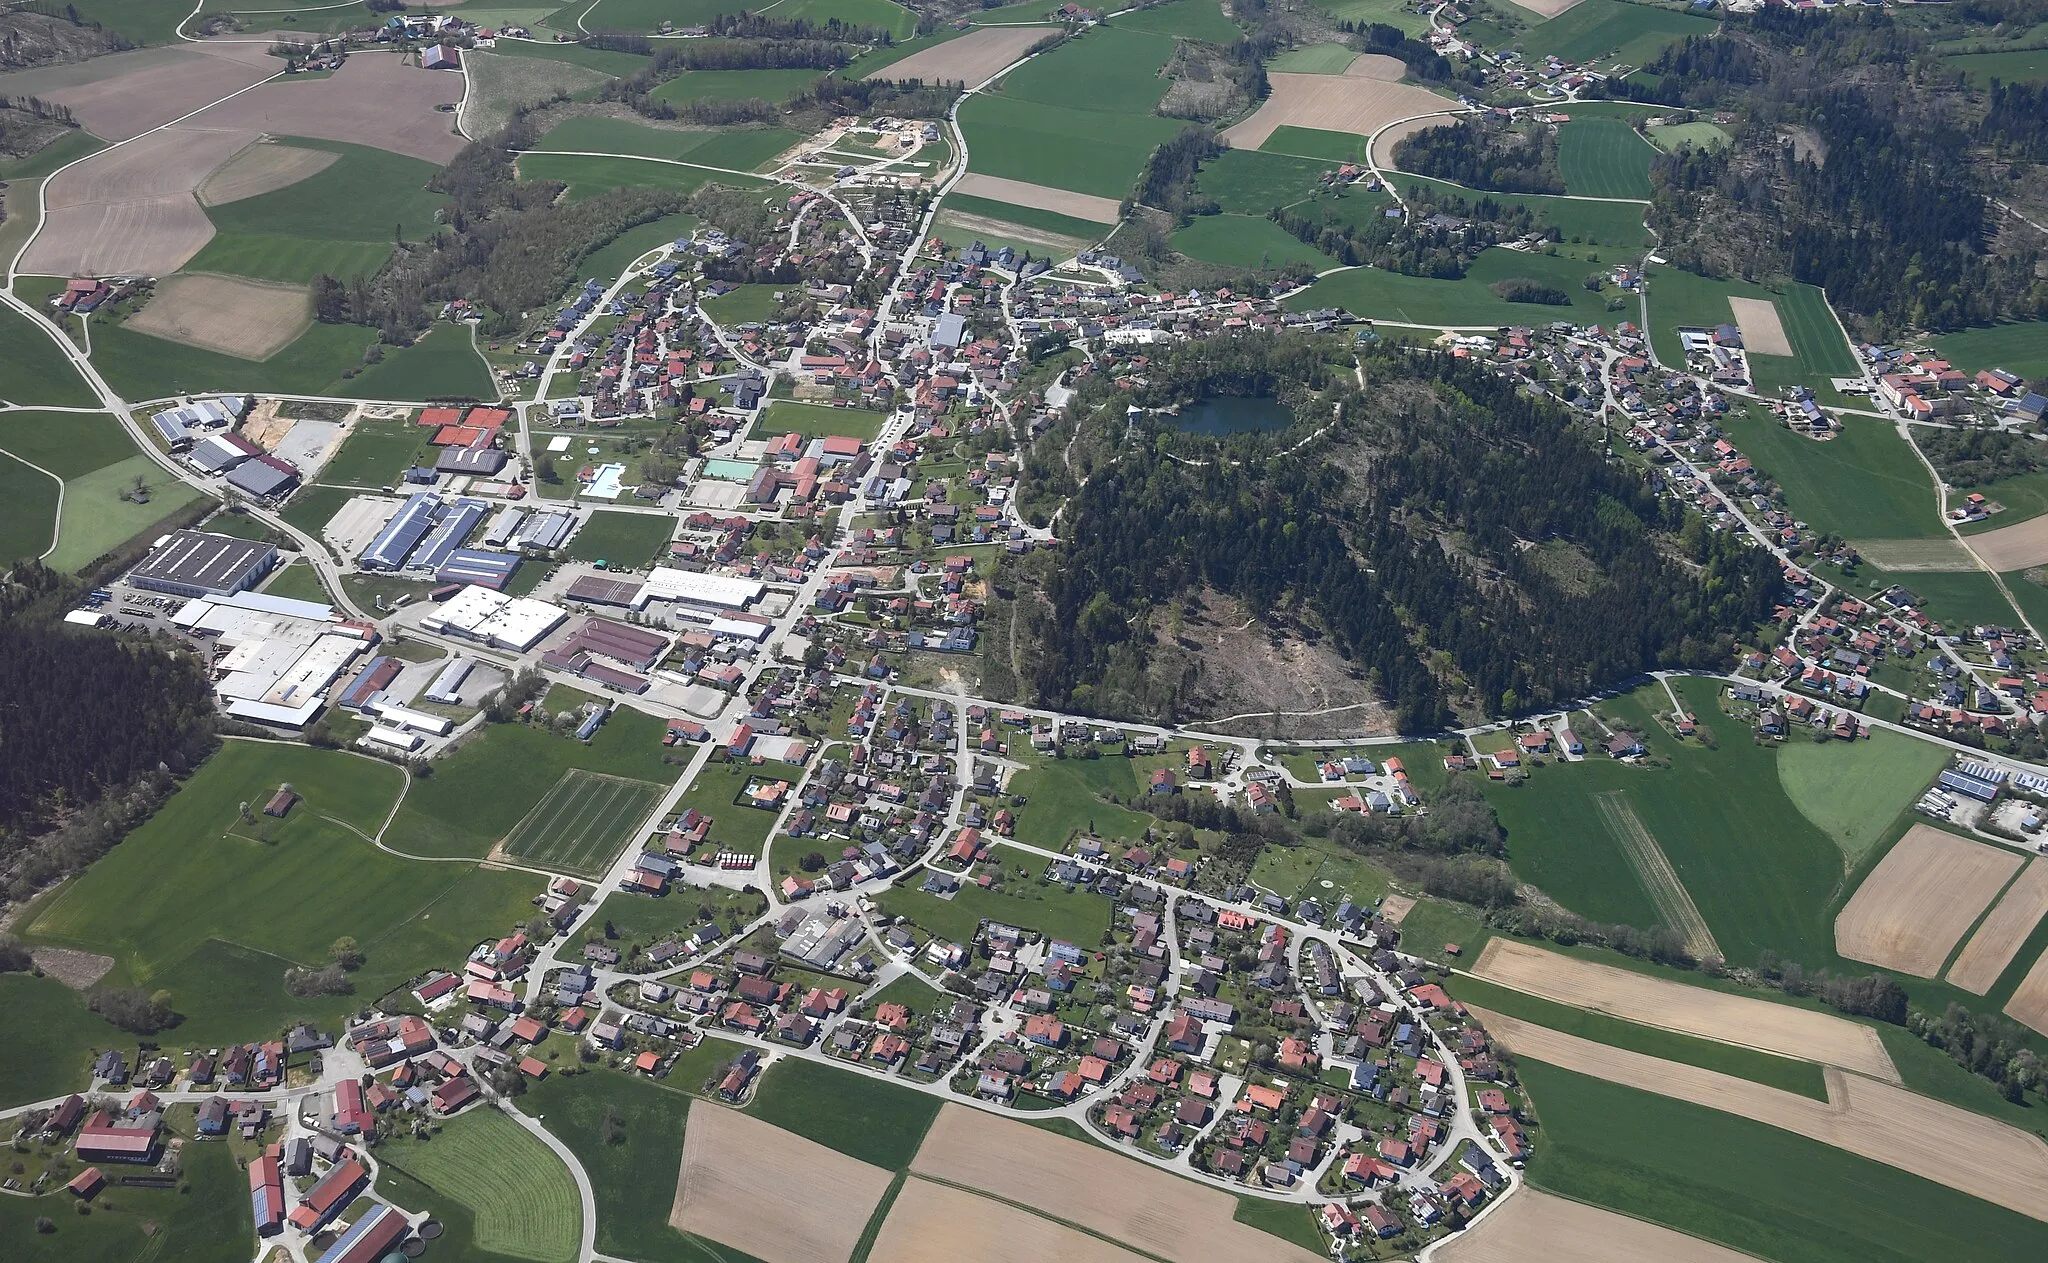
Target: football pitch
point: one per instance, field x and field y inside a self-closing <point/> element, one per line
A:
<point x="582" y="823"/>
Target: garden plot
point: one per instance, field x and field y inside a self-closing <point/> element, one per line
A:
<point x="1674" y="1006"/>
<point x="1365" y="98"/>
<point x="1951" y="1146"/>
<point x="771" y="1193"/>
<point x="971" y="59"/>
<point x="1535" y="1227"/>
<point x="132" y="209"/>
<point x="582" y="822"/>
<point x="1094" y="1189"/>
<point x="1920" y="900"/>
<point x="2002" y="934"/>
<point x="1101" y="210"/>
<point x="250" y="320"/>
<point x="931" y="1223"/>
<point x="1762" y="332"/>
<point x="262" y="168"/>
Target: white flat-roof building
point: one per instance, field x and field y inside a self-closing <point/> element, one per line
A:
<point x="399" y="716"/>
<point x="517" y="623"/>
<point x="282" y="654"/>
<point x="391" y="738"/>
<point x="690" y="587"/>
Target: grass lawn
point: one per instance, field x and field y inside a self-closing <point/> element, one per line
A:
<point x="1246" y="241"/>
<point x="440" y="365"/>
<point x="785" y="416"/>
<point x="1698" y="135"/>
<point x="376" y="453"/>
<point x="875" y="1122"/>
<point x="197" y="901"/>
<point x="1467" y="302"/>
<point x="1603" y="157"/>
<point x="745" y="304"/>
<point x="612" y="260"/>
<point x="524" y="1202"/>
<point x="1297" y="873"/>
<point x="2020" y="346"/>
<point x="1065" y="797"/>
<point x="476" y="795"/>
<point x="913" y="993"/>
<point x="30" y="524"/>
<point x="1864" y="483"/>
<point x="34" y="370"/>
<point x="622" y="539"/>
<point x="1856" y="792"/>
<point x="45" y="1049"/>
<point x="98" y="516"/>
<point x="1315" y="59"/>
<point x="1788" y="1198"/>
<point x="299" y="582"/>
<point x="1195" y="19"/>
<point x="715" y="792"/>
<point x="587" y="177"/>
<point x="634" y="1175"/>
<point x="1611" y="30"/>
<point x="1080" y="918"/>
<point x="1783" y="1073"/>
<point x="205" y="1220"/>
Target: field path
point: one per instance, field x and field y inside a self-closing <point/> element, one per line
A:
<point x="1967" y="1152"/>
<point x="1675" y="907"/>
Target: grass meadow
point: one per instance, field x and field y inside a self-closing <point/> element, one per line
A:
<point x="477" y="795"/>
<point x="1254" y="181"/>
<point x="1603" y="157"/>
<point x="736" y="85"/>
<point x="1066" y="798"/>
<point x="1698" y="135"/>
<point x="521" y="1197"/>
<point x="324" y="360"/>
<point x="627" y="539"/>
<point x="1864" y="483"/>
<point x="2024" y="66"/>
<point x="2019" y="346"/>
<point x="343" y="220"/>
<point x="1593" y="223"/>
<point x="1298" y="872"/>
<point x="742" y="149"/>
<point x="1749" y="1185"/>
<point x="205" y="1223"/>
<point x="376" y="453"/>
<point x="612" y="259"/>
<point x="1468" y="301"/>
<point x="29" y="527"/>
<point x="618" y="65"/>
<point x="1079" y="917"/>
<point x="878" y="1123"/>
<point x="746" y="303"/>
<point x="1082" y="230"/>
<point x="1769" y="1069"/>
<point x="1312" y="142"/>
<point x="1315" y="59"/>
<point x="786" y="416"/>
<point x="1609" y="31"/>
<point x="34" y="370"/>
<point x="442" y="364"/>
<point x="588" y="177"/>
<point x="46" y="1046"/>
<point x="1856" y="796"/>
<point x="99" y="514"/>
<point x="1246" y="241"/>
<point x="715" y="792"/>
<point x="1192" y="19"/>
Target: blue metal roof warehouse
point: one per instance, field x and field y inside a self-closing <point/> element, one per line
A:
<point x="449" y="532"/>
<point x="475" y="565"/>
<point x="402" y="533"/>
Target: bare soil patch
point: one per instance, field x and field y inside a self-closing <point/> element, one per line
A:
<point x="1376" y="66"/>
<point x="75" y="969"/>
<point x="1009" y="232"/>
<point x="375" y="99"/>
<point x="1762" y="332"/>
<point x="1921" y="899"/>
<point x="262" y="168"/>
<point x="267" y="425"/>
<point x="1101" y="210"/>
<point x="1535" y="1227"/>
<point x="1360" y="101"/>
<point x="931" y="1223"/>
<point x="1394" y="909"/>
<point x="124" y="95"/>
<point x="1673" y="1006"/>
<point x="2029" y="1003"/>
<point x="771" y="1193"/>
<point x="2017" y="547"/>
<point x="131" y="209"/>
<point x="1082" y="1184"/>
<point x="2003" y="932"/>
<point x="971" y="59"/>
<point x="1936" y="555"/>
<point x="1265" y="678"/>
<point x="1954" y="1147"/>
<point x="247" y="319"/>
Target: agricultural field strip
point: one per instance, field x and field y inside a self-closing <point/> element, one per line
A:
<point x="2009" y="548"/>
<point x="776" y="1195"/>
<point x="2002" y="933"/>
<point x="938" y="1223"/>
<point x="1652" y="1001"/>
<point x="1763" y="333"/>
<point x="1653" y="869"/>
<point x="1968" y="1152"/>
<point x="2029" y="1003"/>
<point x="1093" y="1188"/>
<point x="1920" y="900"/>
<point x="1534" y="1225"/>
<point x="566" y="812"/>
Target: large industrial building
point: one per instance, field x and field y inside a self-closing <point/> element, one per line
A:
<point x="201" y="563"/>
<point x="517" y="623"/>
<point x="280" y="655"/>
<point x="707" y="593"/>
<point x="423" y="534"/>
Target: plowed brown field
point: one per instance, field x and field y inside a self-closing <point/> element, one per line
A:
<point x="131" y="209"/>
<point x="1365" y="98"/>
<point x="1999" y="938"/>
<point x="971" y="59"/>
<point x="931" y="1223"/>
<point x="1535" y="1227"/>
<point x="374" y="99"/>
<point x="1920" y="900"/>
<point x="261" y="169"/>
<point x="771" y="1193"/>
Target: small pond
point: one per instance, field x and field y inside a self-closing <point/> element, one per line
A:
<point x="1234" y="414"/>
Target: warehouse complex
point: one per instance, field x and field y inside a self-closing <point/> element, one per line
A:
<point x="517" y="623"/>
<point x="200" y="563"/>
<point x="276" y="657"/>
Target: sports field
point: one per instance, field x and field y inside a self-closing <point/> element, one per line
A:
<point x="521" y="1196"/>
<point x="812" y="421"/>
<point x="583" y="822"/>
<point x="1467" y="302"/>
<point x="1604" y="157"/>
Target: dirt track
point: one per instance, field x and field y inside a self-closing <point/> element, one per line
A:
<point x="971" y="59"/>
<point x="1674" y="1006"/>
<point x="930" y="1223"/>
<point x="1360" y="101"/>
<point x="1535" y="1227"/>
<point x="771" y="1193"/>
<point x="1920" y="900"/>
<point x="2000" y="937"/>
<point x="1100" y="210"/>
<point x="1954" y="1147"/>
<point x="246" y="319"/>
<point x="1175" y="1219"/>
<point x="1762" y="332"/>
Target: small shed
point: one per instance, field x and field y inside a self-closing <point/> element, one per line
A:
<point x="281" y="802"/>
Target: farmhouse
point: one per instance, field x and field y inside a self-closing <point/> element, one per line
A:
<point x="107" y="1138"/>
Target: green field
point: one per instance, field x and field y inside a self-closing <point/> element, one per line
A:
<point x="1603" y="157"/>
<point x="199" y="902"/>
<point x="1315" y="59"/>
<point x="1110" y="70"/>
<point x="1310" y="142"/>
<point x="1819" y="349"/>
<point x="587" y="177"/>
<point x="742" y="149"/>
<point x="1750" y="1185"/>
<point x="875" y="1122"/>
<point x="1698" y="135"/>
<point x="1594" y="223"/>
<point x="715" y="792"/>
<point x="744" y="304"/>
<point x="1783" y="1073"/>
<point x="1855" y="794"/>
<point x="1246" y="241"/>
<point x="736" y="85"/>
<point x="618" y="65"/>
<point x="1026" y="217"/>
<point x="45" y="1048"/>
<point x="1865" y="483"/>
<point x="1060" y="147"/>
<point x="2018" y="347"/>
<point x="1194" y="19"/>
<point x="2025" y="66"/>
<point x="1379" y="295"/>
<point x="1609" y="31"/>
<point x="633" y="1175"/>
<point x="1388" y="12"/>
<point x="34" y="370"/>
<point x="97" y="462"/>
<point x="99" y="515"/>
<point x="340" y="221"/>
<point x="1066" y="796"/>
<point x="612" y="259"/>
<point x="323" y="361"/>
<point x="788" y="417"/>
<point x="477" y="795"/>
<point x="621" y="539"/>
<point x="206" y="1221"/>
<point x="29" y="526"/>
<point x="375" y="453"/>
<point x="442" y="364"/>
<point x="1254" y="181"/>
<point x="1080" y="917"/>
<point x="583" y="822"/>
<point x="520" y="1194"/>
<point x="142" y="21"/>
